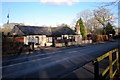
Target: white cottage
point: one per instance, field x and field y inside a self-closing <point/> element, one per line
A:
<point x="46" y="36"/>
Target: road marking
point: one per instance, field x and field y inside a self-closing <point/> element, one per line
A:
<point x="36" y="59"/>
<point x="24" y="57"/>
<point x="31" y="61"/>
<point x="23" y="62"/>
<point x="72" y="51"/>
<point x="59" y="51"/>
<point x="48" y="53"/>
<point x="41" y="54"/>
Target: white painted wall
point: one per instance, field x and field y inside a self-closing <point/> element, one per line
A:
<point x="43" y="40"/>
<point x="32" y="38"/>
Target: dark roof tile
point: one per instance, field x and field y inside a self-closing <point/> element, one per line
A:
<point x="49" y="31"/>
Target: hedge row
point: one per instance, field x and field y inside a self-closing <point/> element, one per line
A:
<point x="11" y="47"/>
<point x="99" y="38"/>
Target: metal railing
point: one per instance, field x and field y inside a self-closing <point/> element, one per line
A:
<point x="109" y="70"/>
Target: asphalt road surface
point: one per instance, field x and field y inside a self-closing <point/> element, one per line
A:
<point x="55" y="64"/>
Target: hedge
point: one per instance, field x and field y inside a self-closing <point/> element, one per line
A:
<point x="11" y="47"/>
<point x="99" y="38"/>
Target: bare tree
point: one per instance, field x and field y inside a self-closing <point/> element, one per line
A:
<point x="96" y="20"/>
<point x="94" y="25"/>
<point x="103" y="15"/>
<point x="86" y="15"/>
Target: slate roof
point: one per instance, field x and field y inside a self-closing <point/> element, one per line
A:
<point x="33" y="30"/>
<point x="58" y="31"/>
<point x="49" y="31"/>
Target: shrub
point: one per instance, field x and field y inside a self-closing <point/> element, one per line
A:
<point x="93" y="37"/>
<point x="11" y="47"/>
<point x="105" y="37"/>
<point x="99" y="38"/>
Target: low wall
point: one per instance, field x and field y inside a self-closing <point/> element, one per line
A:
<point x="48" y="44"/>
<point x="74" y="43"/>
<point x="86" y="41"/>
<point x="59" y="44"/>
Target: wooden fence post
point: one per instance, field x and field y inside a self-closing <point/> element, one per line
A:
<point x="110" y="65"/>
<point x="117" y="57"/>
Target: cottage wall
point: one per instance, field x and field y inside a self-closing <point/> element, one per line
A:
<point x="38" y="40"/>
<point x="42" y="40"/>
<point x="78" y="40"/>
<point x="49" y="41"/>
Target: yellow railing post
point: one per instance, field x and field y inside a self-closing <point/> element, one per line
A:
<point x="110" y="65"/>
<point x="117" y="57"/>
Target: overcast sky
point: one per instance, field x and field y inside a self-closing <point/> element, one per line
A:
<point x="46" y="12"/>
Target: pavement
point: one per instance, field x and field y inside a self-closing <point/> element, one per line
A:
<point x="64" y="63"/>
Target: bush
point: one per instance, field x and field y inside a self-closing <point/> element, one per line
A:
<point x="105" y="37"/>
<point x="99" y="38"/>
<point x="11" y="47"/>
<point x="93" y="37"/>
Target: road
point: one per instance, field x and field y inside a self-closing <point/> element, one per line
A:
<point x="56" y="63"/>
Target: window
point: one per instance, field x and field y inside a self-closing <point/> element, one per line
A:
<point x="58" y="38"/>
<point x="49" y="39"/>
<point x="70" y="37"/>
<point x="37" y="40"/>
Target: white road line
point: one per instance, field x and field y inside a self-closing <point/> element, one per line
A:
<point x="31" y="61"/>
<point x="52" y="52"/>
<point x="59" y="51"/>
<point x="39" y="55"/>
<point x="31" y="56"/>
<point x="35" y="59"/>
<point x="72" y="51"/>
<point x="24" y="57"/>
<point x="24" y="62"/>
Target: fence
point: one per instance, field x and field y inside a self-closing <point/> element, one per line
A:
<point x="109" y="69"/>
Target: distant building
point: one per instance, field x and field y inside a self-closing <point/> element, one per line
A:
<point x="46" y="36"/>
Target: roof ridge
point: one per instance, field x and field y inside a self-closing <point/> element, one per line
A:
<point x="29" y="26"/>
